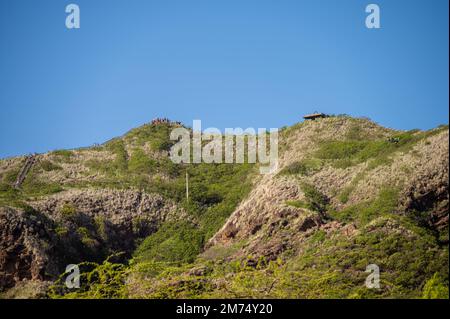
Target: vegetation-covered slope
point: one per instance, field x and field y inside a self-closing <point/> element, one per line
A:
<point x="348" y="193"/>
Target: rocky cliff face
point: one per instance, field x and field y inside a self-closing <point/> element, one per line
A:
<point x="74" y="226"/>
<point x="269" y="222"/>
<point x="25" y="248"/>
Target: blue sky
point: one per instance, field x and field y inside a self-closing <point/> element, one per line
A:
<point x="230" y="63"/>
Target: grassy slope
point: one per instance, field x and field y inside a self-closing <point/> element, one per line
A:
<point x="139" y="160"/>
<point x="329" y="264"/>
<point x="413" y="261"/>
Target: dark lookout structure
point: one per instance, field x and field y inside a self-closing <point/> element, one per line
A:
<point x="314" y="116"/>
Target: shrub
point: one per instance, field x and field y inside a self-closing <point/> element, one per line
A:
<point x="435" y="288"/>
<point x="49" y="166"/>
<point x="10" y="176"/>
<point x="362" y="213"/>
<point x="170" y="168"/>
<point x="61" y="231"/>
<point x="29" y="210"/>
<point x="117" y="147"/>
<point x="319" y="236"/>
<point x="35" y="187"/>
<point x="161" y="145"/>
<point x="64" y="155"/>
<point x="304" y="167"/>
<point x="85" y="237"/>
<point x="9" y="195"/>
<point x="100" y="224"/>
<point x="204" y="196"/>
<point x="173" y="242"/>
<point x="68" y="210"/>
<point x="141" y="162"/>
<point x="344" y="196"/>
<point x="315" y="200"/>
<point x="97" y="281"/>
<point x="297" y="203"/>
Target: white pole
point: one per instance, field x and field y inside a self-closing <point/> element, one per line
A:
<point x="187" y="186"/>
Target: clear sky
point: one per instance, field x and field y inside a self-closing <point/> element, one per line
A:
<point x="229" y="63"/>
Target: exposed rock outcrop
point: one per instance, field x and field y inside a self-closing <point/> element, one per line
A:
<point x="75" y="226"/>
<point x="25" y="248"/>
<point x="265" y="220"/>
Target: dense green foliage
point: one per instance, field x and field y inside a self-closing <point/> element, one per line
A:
<point x="140" y="162"/>
<point x="329" y="266"/>
<point x="106" y="280"/>
<point x="173" y="242"/>
<point x="362" y="213"/>
<point x="304" y="167"/>
<point x="436" y="288"/>
<point x="315" y="200"/>
<point x="158" y="136"/>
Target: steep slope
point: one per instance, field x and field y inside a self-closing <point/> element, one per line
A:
<point x="87" y="204"/>
<point x="416" y="167"/>
<point x="348" y="193"/>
